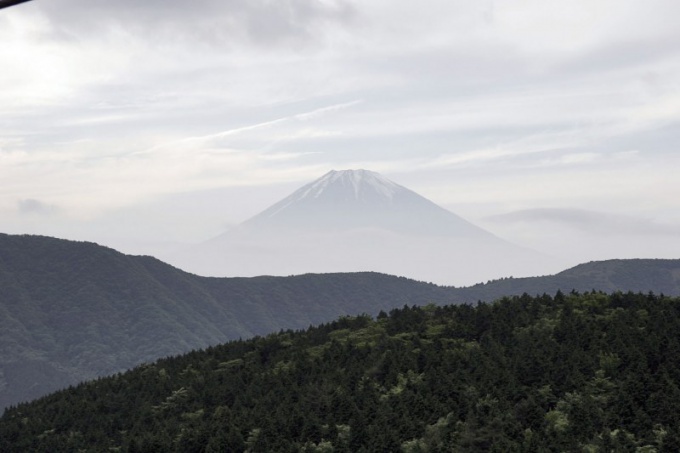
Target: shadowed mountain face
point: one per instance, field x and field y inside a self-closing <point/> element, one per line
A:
<point x="71" y="311"/>
<point x="358" y="220"/>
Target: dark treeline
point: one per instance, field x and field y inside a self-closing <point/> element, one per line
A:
<point x="576" y="372"/>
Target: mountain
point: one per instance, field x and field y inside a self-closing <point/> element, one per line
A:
<point x="361" y="199"/>
<point x="568" y="373"/>
<point x="72" y="311"/>
<point x="358" y="220"/>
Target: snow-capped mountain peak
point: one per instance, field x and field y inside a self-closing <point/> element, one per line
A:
<point x="357" y="180"/>
<point x="358" y="199"/>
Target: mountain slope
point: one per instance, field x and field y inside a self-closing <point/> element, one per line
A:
<point x="637" y="275"/>
<point x="361" y="199"/>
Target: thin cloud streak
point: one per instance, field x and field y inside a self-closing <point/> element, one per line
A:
<point x="205" y="139"/>
<point x="592" y="222"/>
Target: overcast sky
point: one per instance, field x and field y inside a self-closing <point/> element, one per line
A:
<point x="134" y="121"/>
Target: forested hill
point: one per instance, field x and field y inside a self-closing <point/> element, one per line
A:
<point x="71" y="311"/>
<point x="638" y="275"/>
<point x="587" y="372"/>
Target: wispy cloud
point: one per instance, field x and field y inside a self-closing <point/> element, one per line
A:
<point x="218" y="138"/>
<point x="30" y="206"/>
<point x="593" y="222"/>
<point x="233" y="157"/>
<point x="534" y="144"/>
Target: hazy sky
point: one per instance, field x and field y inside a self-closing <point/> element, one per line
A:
<point x="551" y="123"/>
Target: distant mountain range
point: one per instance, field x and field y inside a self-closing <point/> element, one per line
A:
<point x="71" y="311"/>
<point x="358" y="220"/>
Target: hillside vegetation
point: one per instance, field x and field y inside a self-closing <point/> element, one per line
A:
<point x="73" y="311"/>
<point x="590" y="372"/>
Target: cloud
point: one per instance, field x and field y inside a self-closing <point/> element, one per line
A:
<point x="30" y="206"/>
<point x="593" y="222"/>
<point x="252" y="137"/>
<point x="259" y="22"/>
<point x="243" y="156"/>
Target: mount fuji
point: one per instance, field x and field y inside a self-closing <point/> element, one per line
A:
<point x="359" y="199"/>
<point x="358" y="220"/>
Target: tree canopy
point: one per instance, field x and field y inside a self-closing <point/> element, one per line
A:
<point x="570" y="372"/>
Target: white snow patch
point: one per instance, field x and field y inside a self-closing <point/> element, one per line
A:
<point x="354" y="180"/>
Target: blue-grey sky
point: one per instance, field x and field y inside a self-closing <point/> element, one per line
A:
<point x="166" y="121"/>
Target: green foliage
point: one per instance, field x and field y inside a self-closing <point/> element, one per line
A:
<point x="581" y="372"/>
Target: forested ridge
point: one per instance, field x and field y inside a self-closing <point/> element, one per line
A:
<point x="661" y="276"/>
<point x="574" y="372"/>
<point x="72" y="311"/>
